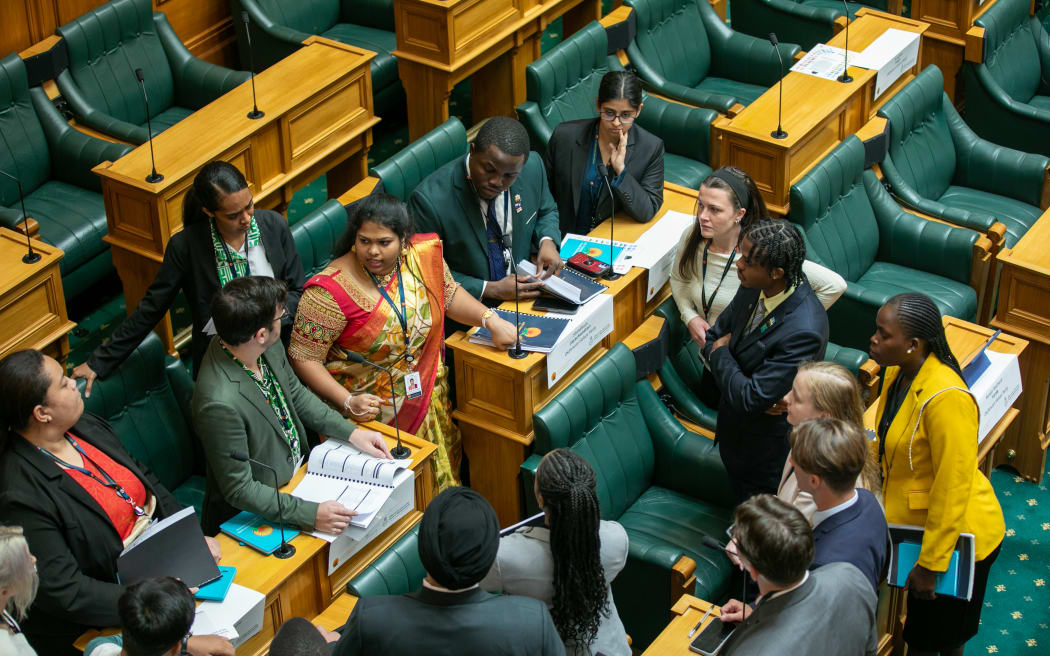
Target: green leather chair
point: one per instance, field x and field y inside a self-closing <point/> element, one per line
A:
<point x="1008" y="92"/>
<point x="107" y="44"/>
<point x="681" y="372"/>
<point x="396" y="571"/>
<point x="853" y="226"/>
<point x="685" y="51"/>
<point x="805" y="22"/>
<point x="280" y="26"/>
<point x="316" y="233"/>
<point x="406" y="168"/>
<point x="664" y="484"/>
<point x="147" y="401"/>
<point x="562" y="85"/>
<point x="937" y="165"/>
<point x="53" y="162"/>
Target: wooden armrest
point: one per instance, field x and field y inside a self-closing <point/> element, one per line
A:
<point x="734" y="110"/>
<point x="868" y="376"/>
<point x="799" y="55"/>
<point x="683" y="579"/>
<point x="645" y="333"/>
<point x="87" y="636"/>
<point x="975" y="44"/>
<point x="335" y="615"/>
<point x="720" y="7"/>
<point x="840" y="24"/>
<point x="871" y="129"/>
<point x="359" y="190"/>
<point x="615" y="16"/>
<point x="34" y="227"/>
<point x="984" y="275"/>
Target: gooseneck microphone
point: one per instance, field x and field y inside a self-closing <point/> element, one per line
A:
<point x="517" y="352"/>
<point x="845" y="77"/>
<point x="712" y="543"/>
<point x="154" y="177"/>
<point x="603" y="171"/>
<point x="285" y="550"/>
<point x="779" y="132"/>
<point x="255" y="113"/>
<point x="31" y="256"/>
<point x="400" y="451"/>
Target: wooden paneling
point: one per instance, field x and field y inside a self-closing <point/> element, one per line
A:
<point x="32" y="307"/>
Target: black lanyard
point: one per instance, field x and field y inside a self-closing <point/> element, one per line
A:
<point x="109" y="482"/>
<point x="229" y="257"/>
<point x="706" y="304"/>
<point x="402" y="316"/>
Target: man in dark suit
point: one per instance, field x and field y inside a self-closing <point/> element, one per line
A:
<point x="451" y="615"/>
<point x="849" y="526"/>
<point x="492" y="210"/>
<point x="773" y="324"/>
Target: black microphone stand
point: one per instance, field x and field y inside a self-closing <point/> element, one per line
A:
<point x="154" y="177"/>
<point x="603" y="170"/>
<point x="400" y="451"/>
<point x="255" y="113"/>
<point x="779" y="132"/>
<point x="285" y="550"/>
<point x="845" y="77"/>
<point x="516" y="353"/>
<point x="31" y="256"/>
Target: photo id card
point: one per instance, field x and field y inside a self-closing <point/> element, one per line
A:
<point x="413" y="385"/>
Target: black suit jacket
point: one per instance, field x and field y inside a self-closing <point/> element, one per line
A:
<point x="72" y="538"/>
<point x="857" y="535"/>
<point x="755" y="371"/>
<point x="189" y="265"/>
<point x="450" y="624"/>
<point x="640" y="192"/>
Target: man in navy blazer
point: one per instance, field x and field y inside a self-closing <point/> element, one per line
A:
<point x="849" y="526"/>
<point x="773" y="324"/>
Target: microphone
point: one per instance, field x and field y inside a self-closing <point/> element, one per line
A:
<point x="31" y="257"/>
<point x="845" y="77"/>
<point x="154" y="177"/>
<point x="712" y="543"/>
<point x="517" y="352"/>
<point x="285" y="550"/>
<point x="255" y="113"/>
<point x="400" y="451"/>
<point x="779" y="132"/>
<point x="603" y="171"/>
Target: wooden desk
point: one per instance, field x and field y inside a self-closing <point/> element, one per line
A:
<point x="32" y="305"/>
<point x="818" y="115"/>
<point x="949" y="21"/>
<point x="1024" y="310"/>
<point x="675" y="639"/>
<point x="319" y="118"/>
<point x="442" y="42"/>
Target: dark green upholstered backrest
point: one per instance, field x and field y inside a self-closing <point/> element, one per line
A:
<point x="397" y="571"/>
<point x="921" y="145"/>
<point x="147" y="401"/>
<point x="1011" y="54"/>
<point x="406" y="168"/>
<point x="23" y="146"/>
<point x="106" y="45"/>
<point x="370" y="13"/>
<point x="673" y="39"/>
<point x="681" y="349"/>
<point x="831" y="205"/>
<point x="310" y="16"/>
<point x="316" y="234"/>
<point x="599" y="417"/>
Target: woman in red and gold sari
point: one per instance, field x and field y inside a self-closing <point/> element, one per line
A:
<point x="385" y="296"/>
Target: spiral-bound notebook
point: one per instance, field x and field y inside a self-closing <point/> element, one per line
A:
<point x="567" y="284"/>
<point x="337" y="471"/>
<point x="537" y="333"/>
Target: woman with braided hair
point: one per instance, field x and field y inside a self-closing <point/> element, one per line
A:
<point x="927" y="428"/>
<point x="570" y="563"/>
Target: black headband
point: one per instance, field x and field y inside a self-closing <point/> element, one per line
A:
<point x="743" y="196"/>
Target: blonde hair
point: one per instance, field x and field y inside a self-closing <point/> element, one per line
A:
<point x="17" y="571"/>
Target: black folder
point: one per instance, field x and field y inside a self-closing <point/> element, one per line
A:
<point x="174" y="546"/>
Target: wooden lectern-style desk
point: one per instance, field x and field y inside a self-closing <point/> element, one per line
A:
<point x="318" y="118"/>
<point x="674" y="639"/>
<point x="32" y="305"/>
<point x="497" y="395"/>
<point x="817" y="115"/>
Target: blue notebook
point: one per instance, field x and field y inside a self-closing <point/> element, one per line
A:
<point x="217" y="589"/>
<point x="908" y="555"/>
<point x="256" y="532"/>
<point x="956" y="581"/>
<point x="537" y="333"/>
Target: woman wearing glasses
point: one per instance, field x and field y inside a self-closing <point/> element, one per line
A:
<point x="632" y="158"/>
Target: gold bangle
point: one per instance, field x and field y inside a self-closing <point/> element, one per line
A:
<point x="485" y="315"/>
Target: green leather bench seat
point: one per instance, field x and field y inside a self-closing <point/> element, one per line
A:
<point x="685" y="51"/>
<point x="405" y="169"/>
<point x="316" y="233"/>
<point x="107" y="44"/>
<point x="952" y="298"/>
<point x="684" y="171"/>
<point x="382" y="42"/>
<point x="805" y="22"/>
<point x="71" y="218"/>
<point x="147" y="401"/>
<point x="939" y="166"/>
<point x="396" y="571"/>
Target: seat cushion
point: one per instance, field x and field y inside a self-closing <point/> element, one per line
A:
<point x="384" y="65"/>
<point x="744" y="93"/>
<point x="167" y="118"/>
<point x="191" y="493"/>
<point x="1040" y="102"/>
<point x="70" y="218"/>
<point x="1018" y="217"/>
<point x="662" y="518"/>
<point x="953" y="298"/>
<point x="684" y="171"/>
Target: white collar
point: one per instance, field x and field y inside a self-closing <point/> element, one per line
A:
<point x="821" y="515"/>
<point x="777" y="593"/>
<point x="437" y="588"/>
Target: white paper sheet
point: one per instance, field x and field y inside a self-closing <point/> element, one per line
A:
<point x="823" y="61"/>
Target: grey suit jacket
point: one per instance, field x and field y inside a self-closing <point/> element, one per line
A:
<point x="230" y="413"/>
<point x="833" y="612"/>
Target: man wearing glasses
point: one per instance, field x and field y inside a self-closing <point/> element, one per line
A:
<point x="589" y="157"/>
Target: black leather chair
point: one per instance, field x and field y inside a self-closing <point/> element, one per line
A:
<point x="107" y="44"/>
<point x="53" y="162"/>
<point x="406" y="168"/>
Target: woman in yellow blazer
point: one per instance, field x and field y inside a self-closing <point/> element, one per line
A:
<point x="927" y="428"/>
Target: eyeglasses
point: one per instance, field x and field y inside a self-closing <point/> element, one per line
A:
<point x="183" y="651"/>
<point x="626" y="118"/>
<point x="284" y="313"/>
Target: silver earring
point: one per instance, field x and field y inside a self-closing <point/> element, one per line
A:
<point x="910" y="350"/>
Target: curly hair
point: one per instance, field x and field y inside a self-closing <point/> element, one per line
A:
<point x="776" y="243"/>
<point x="919" y="317"/>
<point x="567" y="484"/>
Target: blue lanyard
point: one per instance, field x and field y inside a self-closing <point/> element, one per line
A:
<point x="109" y="482"/>
<point x="402" y="316"/>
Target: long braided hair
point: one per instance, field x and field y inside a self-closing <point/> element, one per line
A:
<point x="919" y="317"/>
<point x="567" y="484"/>
<point x="776" y="243"/>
